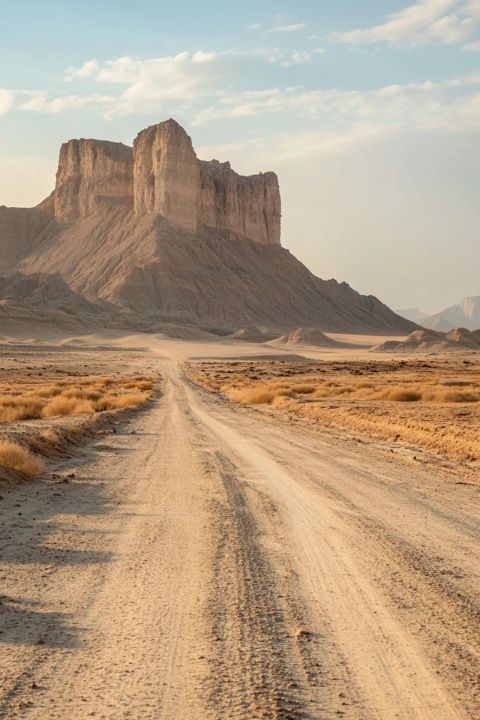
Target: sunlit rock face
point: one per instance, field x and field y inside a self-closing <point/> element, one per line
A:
<point x="169" y="180"/>
<point x="166" y="175"/>
<point x="89" y="172"/>
<point x="248" y="206"/>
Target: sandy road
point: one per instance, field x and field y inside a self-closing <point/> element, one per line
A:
<point x="207" y="562"/>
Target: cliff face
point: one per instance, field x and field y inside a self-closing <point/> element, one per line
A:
<point x="169" y="180"/>
<point x="166" y="175"/>
<point x="163" y="176"/>
<point x="90" y="171"/>
<point x="248" y="206"/>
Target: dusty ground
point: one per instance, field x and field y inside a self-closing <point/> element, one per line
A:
<point x="206" y="562"/>
<point x="426" y="410"/>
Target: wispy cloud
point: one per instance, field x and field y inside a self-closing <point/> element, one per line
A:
<point x="279" y="24"/>
<point x="444" y="22"/>
<point x="200" y="86"/>
<point x="452" y="105"/>
<point x="292" y="27"/>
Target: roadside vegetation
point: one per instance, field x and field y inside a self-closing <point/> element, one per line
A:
<point x="31" y="413"/>
<point x="432" y="405"/>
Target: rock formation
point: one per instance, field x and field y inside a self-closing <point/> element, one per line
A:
<point x="465" y="314"/>
<point x="163" y="176"/>
<point x="90" y="171"/>
<point x="459" y="339"/>
<point x="167" y="175"/>
<point x="169" y="180"/>
<point x="248" y="206"/>
<point x="159" y="239"/>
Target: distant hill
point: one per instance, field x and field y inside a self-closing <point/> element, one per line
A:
<point x="466" y="314"/>
<point x="433" y="341"/>
<point x="413" y="314"/>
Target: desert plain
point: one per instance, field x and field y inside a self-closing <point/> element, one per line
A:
<point x="227" y="529"/>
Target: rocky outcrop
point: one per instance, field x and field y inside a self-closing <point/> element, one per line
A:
<point x="89" y="172"/>
<point x="166" y="175"/>
<point x="170" y="181"/>
<point x="248" y="206"/>
<point x="163" y="176"/>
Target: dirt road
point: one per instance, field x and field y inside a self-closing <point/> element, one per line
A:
<point x="207" y="563"/>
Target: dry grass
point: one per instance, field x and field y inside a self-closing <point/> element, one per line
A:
<point x="17" y="457"/>
<point x="30" y="400"/>
<point x="434" y="405"/>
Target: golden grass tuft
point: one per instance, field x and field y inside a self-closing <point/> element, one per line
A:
<point x="17" y="457"/>
<point x="31" y="400"/>
<point x="112" y="402"/>
<point x="18" y="409"/>
<point x="402" y="395"/>
<point x="253" y="396"/>
<point x="60" y="405"/>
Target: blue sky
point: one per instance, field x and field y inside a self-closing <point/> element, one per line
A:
<point x="369" y="112"/>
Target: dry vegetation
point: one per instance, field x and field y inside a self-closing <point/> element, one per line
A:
<point x="46" y="407"/>
<point x="13" y="455"/>
<point x="433" y="405"/>
<point x="27" y="400"/>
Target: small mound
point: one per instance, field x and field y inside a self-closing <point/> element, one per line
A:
<point x="253" y="334"/>
<point x="307" y="336"/>
<point x="432" y="341"/>
<point x="465" y="338"/>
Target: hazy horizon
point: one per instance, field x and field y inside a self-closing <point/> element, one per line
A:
<point x="370" y="116"/>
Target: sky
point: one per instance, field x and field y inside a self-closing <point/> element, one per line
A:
<point x="368" y="111"/>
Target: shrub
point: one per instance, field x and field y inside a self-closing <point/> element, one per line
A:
<point x="17" y="457"/>
<point x="60" y="405"/>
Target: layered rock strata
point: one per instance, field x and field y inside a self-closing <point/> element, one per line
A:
<point x="163" y="176"/>
<point x="89" y="172"/>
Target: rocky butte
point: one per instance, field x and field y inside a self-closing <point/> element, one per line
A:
<point x="162" y="175"/>
<point x="156" y="239"/>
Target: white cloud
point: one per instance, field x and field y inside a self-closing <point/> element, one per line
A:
<point x="148" y="83"/>
<point x="292" y="27"/>
<point x="40" y="102"/>
<point x="452" y="105"/>
<point x="6" y="101"/>
<point x="298" y="57"/>
<point x="87" y="70"/>
<point x="444" y="22"/>
<point x="199" y="86"/>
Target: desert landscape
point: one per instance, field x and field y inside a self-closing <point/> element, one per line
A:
<point x="230" y="528"/>
<point x="231" y="489"/>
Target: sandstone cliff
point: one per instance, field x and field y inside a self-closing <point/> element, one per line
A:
<point x="169" y="180"/>
<point x="248" y="206"/>
<point x="90" y="171"/>
<point x="163" y="176"/>
<point x="166" y="175"/>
